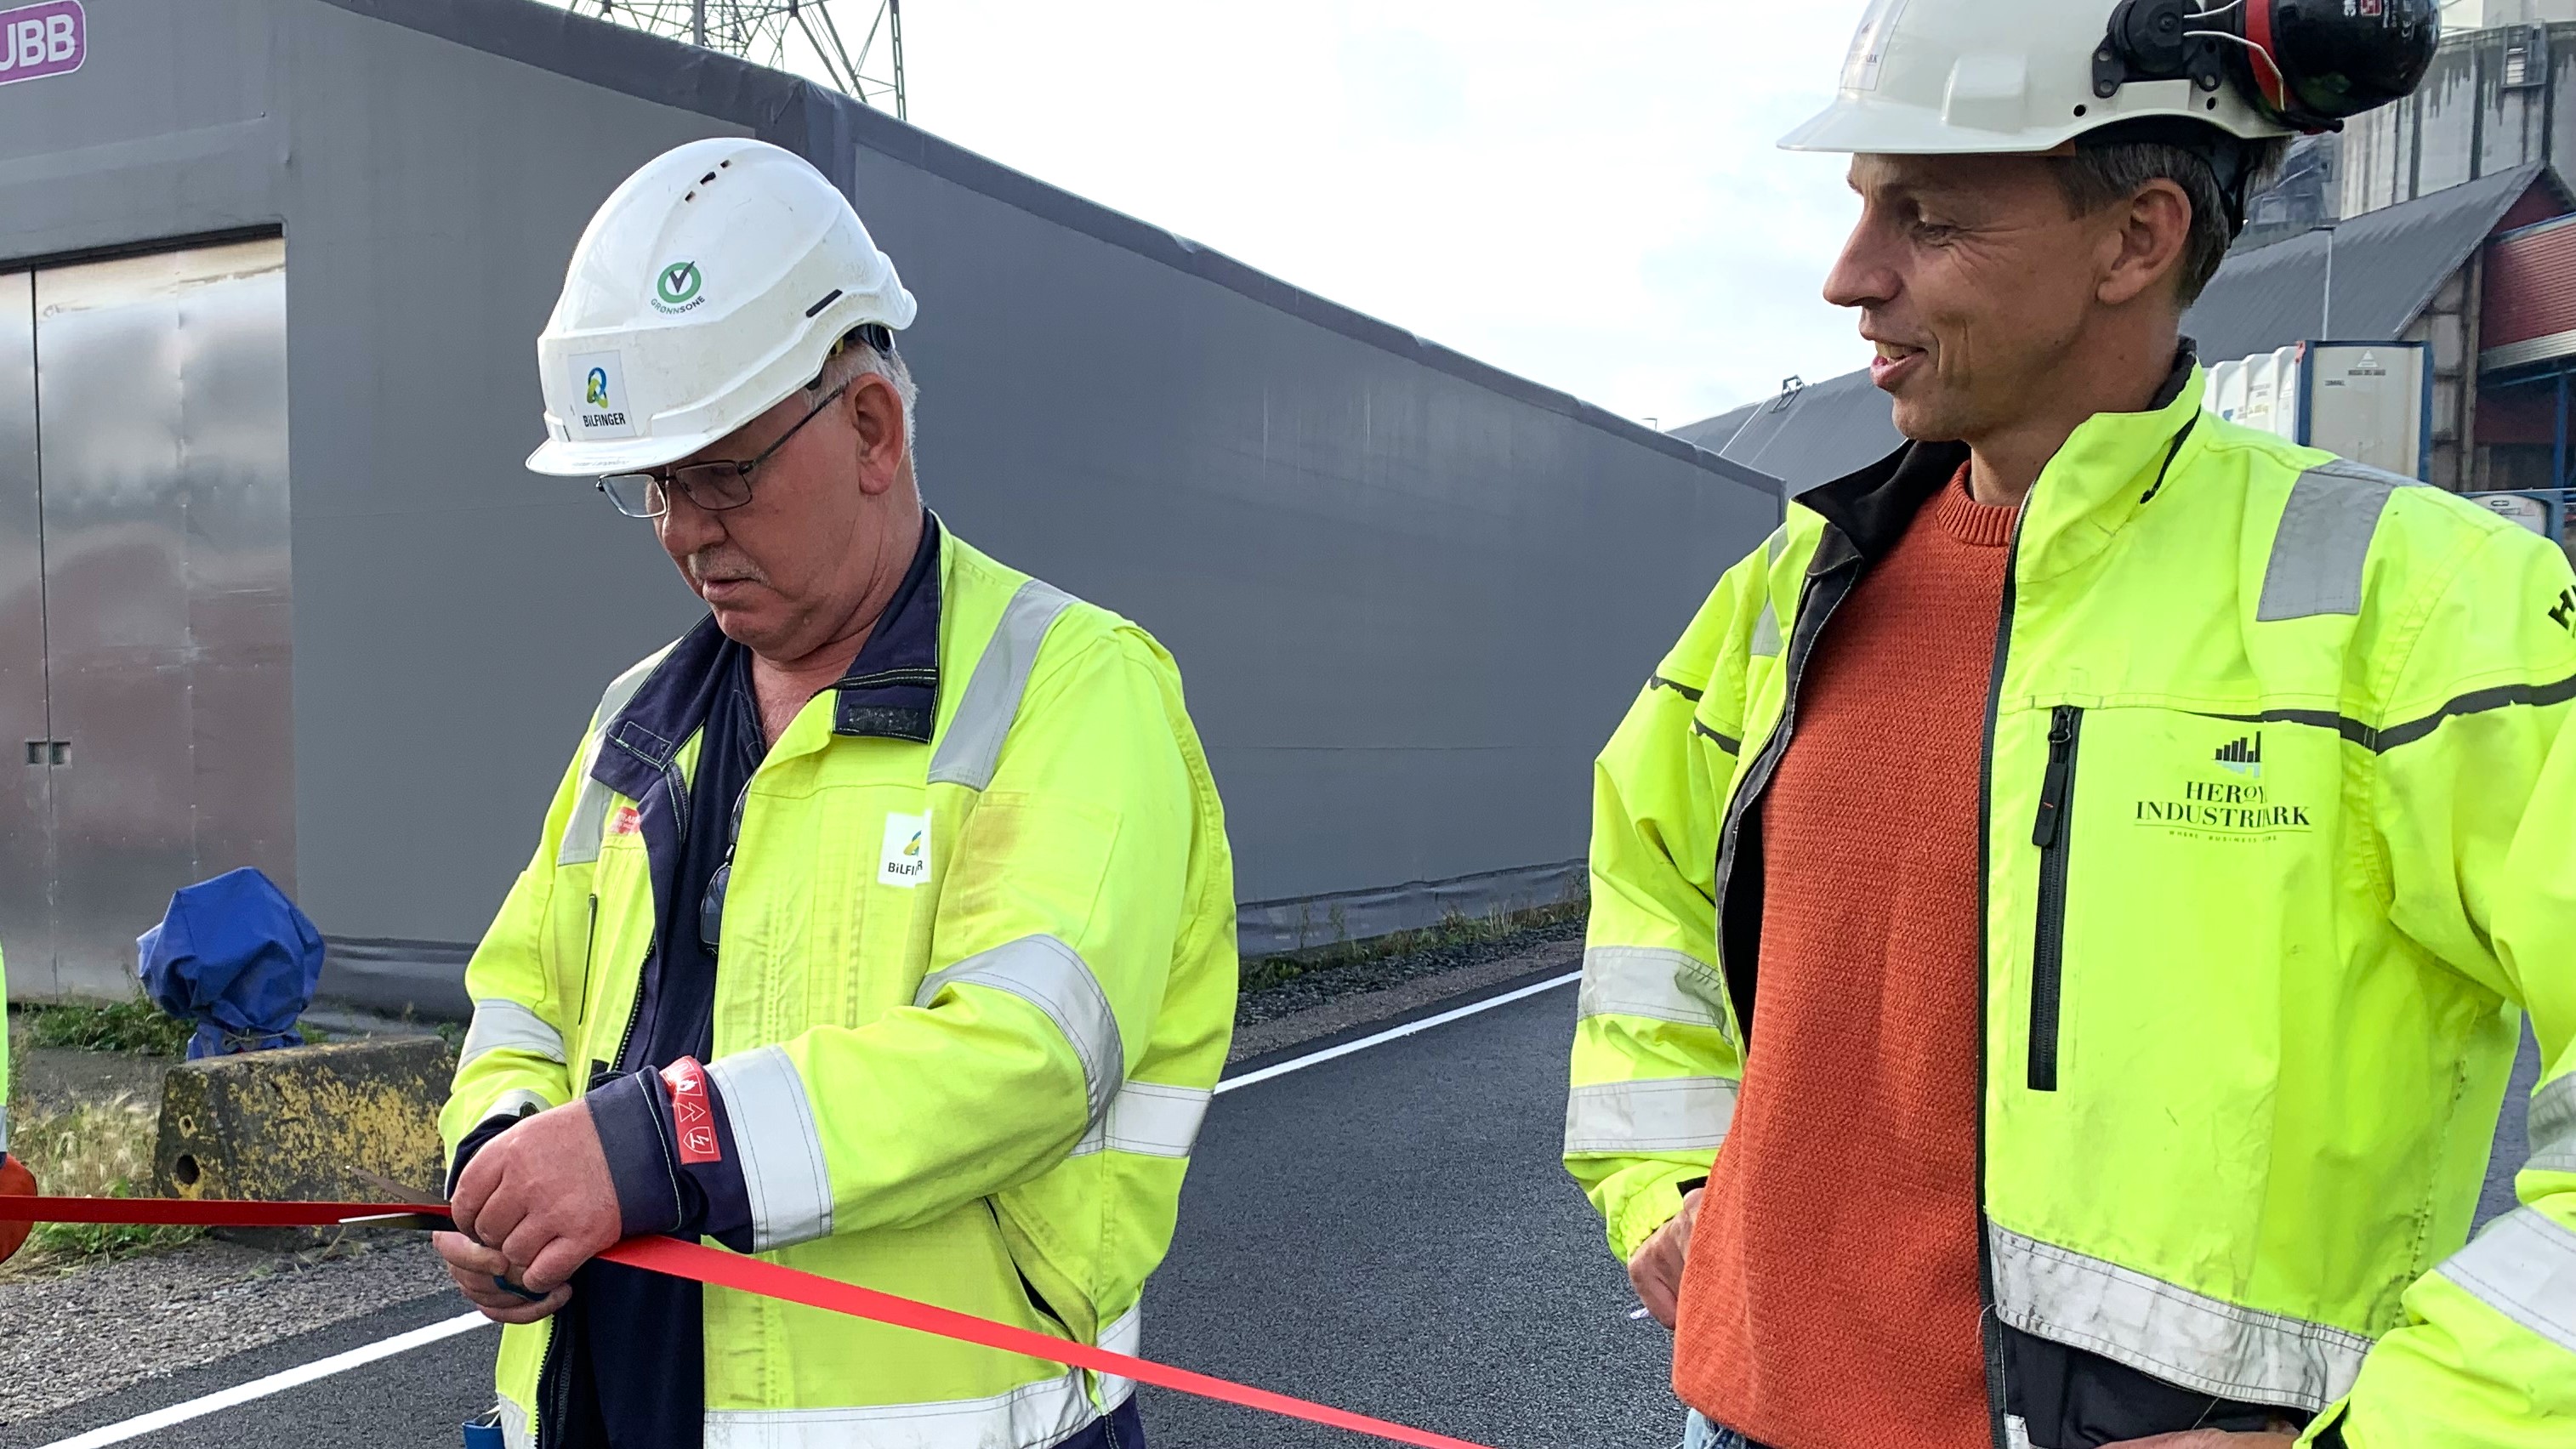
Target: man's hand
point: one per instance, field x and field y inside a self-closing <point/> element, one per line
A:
<point x="541" y="1195"/>
<point x="1657" y="1268"/>
<point x="2210" y="1439"/>
<point x="474" y="1267"/>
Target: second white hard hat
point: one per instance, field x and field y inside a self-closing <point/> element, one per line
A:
<point x="711" y="285"/>
<point x="1962" y="77"/>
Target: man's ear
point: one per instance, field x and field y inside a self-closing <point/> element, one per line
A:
<point x="2150" y="233"/>
<point x="876" y="416"/>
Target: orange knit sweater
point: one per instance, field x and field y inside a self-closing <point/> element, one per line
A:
<point x="1831" y="1299"/>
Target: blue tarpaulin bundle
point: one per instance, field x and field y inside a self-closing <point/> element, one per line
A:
<point x="236" y="957"/>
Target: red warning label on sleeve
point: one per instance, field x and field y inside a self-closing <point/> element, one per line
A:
<point x="690" y="1113"/>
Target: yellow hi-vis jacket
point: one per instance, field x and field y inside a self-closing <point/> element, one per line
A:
<point x="2302" y="732"/>
<point x="976" y="1086"/>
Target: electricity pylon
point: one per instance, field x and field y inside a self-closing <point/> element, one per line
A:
<point x="765" y="31"/>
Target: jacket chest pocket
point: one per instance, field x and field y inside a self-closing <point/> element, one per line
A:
<point x="2177" y="880"/>
<point x="820" y="905"/>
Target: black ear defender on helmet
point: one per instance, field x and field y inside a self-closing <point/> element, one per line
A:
<point x="2307" y="65"/>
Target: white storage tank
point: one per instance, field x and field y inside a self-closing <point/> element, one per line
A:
<point x="2371" y="402"/>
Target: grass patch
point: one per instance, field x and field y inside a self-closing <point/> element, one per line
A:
<point x="1454" y="930"/>
<point x="133" y="1025"/>
<point x="96" y="1149"/>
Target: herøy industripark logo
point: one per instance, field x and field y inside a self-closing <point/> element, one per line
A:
<point x="2232" y="801"/>
<point x="676" y="289"/>
<point x="2564" y="613"/>
<point x="41" y="40"/>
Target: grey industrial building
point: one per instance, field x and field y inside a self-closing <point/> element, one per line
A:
<point x="276" y="591"/>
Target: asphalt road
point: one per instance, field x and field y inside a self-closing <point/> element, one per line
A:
<point x="1388" y="1232"/>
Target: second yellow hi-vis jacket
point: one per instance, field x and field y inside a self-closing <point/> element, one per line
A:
<point x="2250" y="1007"/>
<point x="978" y="982"/>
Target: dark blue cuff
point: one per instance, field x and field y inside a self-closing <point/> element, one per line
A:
<point x="626" y="1112"/>
<point x="484" y="1132"/>
<point x="656" y="1191"/>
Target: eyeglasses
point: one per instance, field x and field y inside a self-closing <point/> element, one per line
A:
<point x="713" y="487"/>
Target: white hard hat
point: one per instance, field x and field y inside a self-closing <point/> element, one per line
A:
<point x="1963" y="77"/>
<point x="711" y="285"/>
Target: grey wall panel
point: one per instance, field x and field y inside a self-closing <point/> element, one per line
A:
<point x="1411" y="593"/>
<point x="26" y="809"/>
<point x="456" y="616"/>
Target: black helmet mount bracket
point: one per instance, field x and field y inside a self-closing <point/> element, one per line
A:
<point x="2154" y="40"/>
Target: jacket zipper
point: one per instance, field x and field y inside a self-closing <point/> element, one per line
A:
<point x="1990" y="1323"/>
<point x="2054" y="834"/>
<point x="589" y="950"/>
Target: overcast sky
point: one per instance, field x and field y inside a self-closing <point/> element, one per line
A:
<point x="1586" y="194"/>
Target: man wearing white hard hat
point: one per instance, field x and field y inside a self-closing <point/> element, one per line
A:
<point x="882" y="925"/>
<point x="2063" y="913"/>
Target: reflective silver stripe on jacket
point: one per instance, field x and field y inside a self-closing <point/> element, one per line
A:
<point x="2553" y="1127"/>
<point x="1149" y="1118"/>
<point x="514" y="1427"/>
<point x="2169" y="1331"/>
<point x="1053" y="977"/>
<point x="1660" y="1114"/>
<point x="503" y="1025"/>
<point x="1766" y="632"/>
<point x="774" y="1133"/>
<point x="590" y="808"/>
<point x="2324" y="541"/>
<point x="1649" y="981"/>
<point x="2524" y="1267"/>
<point x="1048" y="1411"/>
<point x="972" y="748"/>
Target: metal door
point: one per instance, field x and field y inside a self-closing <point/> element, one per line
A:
<point x="161" y="440"/>
<point x="26" y="826"/>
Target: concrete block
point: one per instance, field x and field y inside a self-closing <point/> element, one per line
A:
<point x="303" y="1122"/>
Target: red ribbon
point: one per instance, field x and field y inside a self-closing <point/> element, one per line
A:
<point x="702" y="1264"/>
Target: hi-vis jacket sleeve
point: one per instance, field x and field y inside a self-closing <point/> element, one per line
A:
<point x="513" y="1061"/>
<point x="1656" y="1055"/>
<point x="1066" y="891"/>
<point x="2479" y="819"/>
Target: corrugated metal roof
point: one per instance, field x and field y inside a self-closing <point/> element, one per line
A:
<point x="2387" y="265"/>
<point x="1812" y="436"/>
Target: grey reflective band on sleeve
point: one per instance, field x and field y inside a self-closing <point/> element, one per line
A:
<point x="2524" y="1267"/>
<point x="590" y="808"/>
<point x="503" y="1025"/>
<point x="971" y="749"/>
<point x="1660" y="1114"/>
<point x="2553" y="1126"/>
<point x="784" y="1174"/>
<point x="1053" y="977"/>
<point x="1150" y="1119"/>
<point x="4" y="1123"/>
<point x="2324" y="541"/>
<point x="2164" y="1329"/>
<point x="1776" y="545"/>
<point x="1649" y="981"/>
<point x="1766" y="631"/>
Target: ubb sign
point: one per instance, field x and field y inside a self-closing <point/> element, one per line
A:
<point x="41" y="40"/>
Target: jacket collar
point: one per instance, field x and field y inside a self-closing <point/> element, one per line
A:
<point x="2109" y="468"/>
<point x="890" y="692"/>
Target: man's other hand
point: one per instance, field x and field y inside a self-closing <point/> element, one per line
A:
<point x="540" y="1193"/>
<point x="2210" y="1439"/>
<point x="474" y="1267"/>
<point x="1657" y="1268"/>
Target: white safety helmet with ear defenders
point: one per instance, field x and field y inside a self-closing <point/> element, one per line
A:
<point x="709" y="287"/>
<point x="1965" y="77"/>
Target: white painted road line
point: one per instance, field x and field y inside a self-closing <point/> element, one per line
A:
<point x="324" y="1368"/>
<point x="1394" y="1033"/>
<point x="276" y="1383"/>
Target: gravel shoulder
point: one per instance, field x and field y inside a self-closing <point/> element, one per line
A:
<point x="105" y="1327"/>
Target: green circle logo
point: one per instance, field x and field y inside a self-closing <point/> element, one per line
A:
<point x="678" y="284"/>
